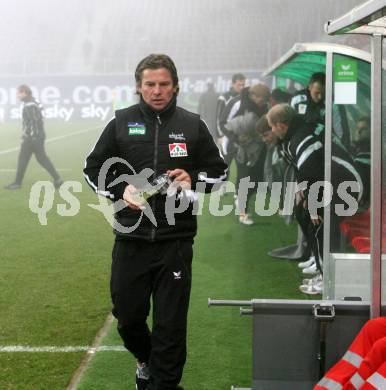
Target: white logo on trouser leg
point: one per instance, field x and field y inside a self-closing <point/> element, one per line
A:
<point x="177" y="275"/>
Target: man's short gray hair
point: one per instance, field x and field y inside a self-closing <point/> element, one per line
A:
<point x="281" y="113"/>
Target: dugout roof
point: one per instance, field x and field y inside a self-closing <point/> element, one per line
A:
<point x="304" y="59"/>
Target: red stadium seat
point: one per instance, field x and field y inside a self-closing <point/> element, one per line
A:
<point x="357" y="230"/>
<point x="361" y="244"/>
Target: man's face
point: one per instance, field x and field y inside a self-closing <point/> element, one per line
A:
<point x="238" y="85"/>
<point x="279" y="129"/>
<point x="157" y="88"/>
<point x="258" y="100"/>
<point x="21" y="95"/>
<point x="362" y="131"/>
<point x="317" y="92"/>
<point x="269" y="138"/>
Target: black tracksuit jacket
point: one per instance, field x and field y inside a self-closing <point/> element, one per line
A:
<point x="146" y="139"/>
<point x="305" y="150"/>
<point x="222" y="101"/>
<point x="33" y="124"/>
<point x="312" y="113"/>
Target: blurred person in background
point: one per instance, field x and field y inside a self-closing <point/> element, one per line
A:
<point x="154" y="262"/>
<point x="240" y="128"/>
<point x="309" y="102"/>
<point x="361" y="142"/>
<point x="361" y="152"/>
<point x="249" y="158"/>
<point x="272" y="170"/>
<point x="286" y="174"/>
<point x="238" y="83"/>
<point x="32" y="139"/>
<point x="226" y="146"/>
<point x="273" y="166"/>
<point x="251" y="99"/>
<point x="305" y="151"/>
<point x="279" y="96"/>
<point x="207" y="105"/>
<point x="275" y="169"/>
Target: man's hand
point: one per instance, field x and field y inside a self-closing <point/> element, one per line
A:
<point x="317" y="221"/>
<point x="301" y="199"/>
<point x="181" y="178"/>
<point x="130" y="199"/>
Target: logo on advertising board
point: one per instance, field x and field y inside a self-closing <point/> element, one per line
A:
<point x="178" y="150"/>
<point x="346" y="70"/>
<point x="345" y="80"/>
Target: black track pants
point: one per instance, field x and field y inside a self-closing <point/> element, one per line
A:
<point x="312" y="233"/>
<point x="161" y="270"/>
<point x="27" y="149"/>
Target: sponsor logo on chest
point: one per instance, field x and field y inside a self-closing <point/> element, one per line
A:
<point x="177" y="136"/>
<point x="178" y="150"/>
<point x="136" y="128"/>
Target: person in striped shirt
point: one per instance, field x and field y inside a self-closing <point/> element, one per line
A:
<point x="32" y="139"/>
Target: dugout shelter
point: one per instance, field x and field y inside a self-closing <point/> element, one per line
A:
<point x="294" y="342"/>
<point x="346" y="264"/>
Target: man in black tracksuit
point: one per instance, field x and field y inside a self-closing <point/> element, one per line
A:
<point x="238" y="83"/>
<point x="32" y="140"/>
<point x="309" y="102"/>
<point x="305" y="151"/>
<point x="154" y="261"/>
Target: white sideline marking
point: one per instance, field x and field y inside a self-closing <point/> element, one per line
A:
<point x="53" y="349"/>
<point x="78" y="375"/>
<point x="7" y="151"/>
<point x="10" y="150"/>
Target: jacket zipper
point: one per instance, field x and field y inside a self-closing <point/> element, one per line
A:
<point x="155" y="163"/>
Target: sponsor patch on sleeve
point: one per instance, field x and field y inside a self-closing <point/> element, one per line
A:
<point x="136" y="128"/>
<point x="178" y="150"/>
<point x="302" y="108"/>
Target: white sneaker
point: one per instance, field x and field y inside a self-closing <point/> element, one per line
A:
<point x="312" y="286"/>
<point x="311" y="270"/>
<point x="311" y="289"/>
<point x="319" y="287"/>
<point x="308" y="263"/>
<point x="244" y="219"/>
<point x="317" y="278"/>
